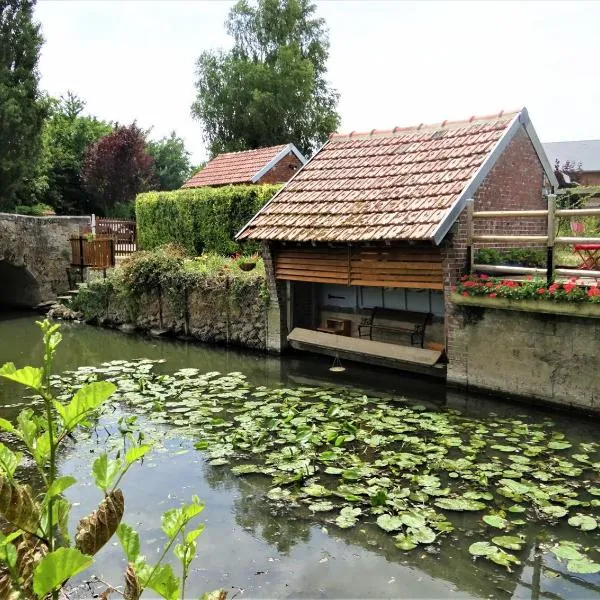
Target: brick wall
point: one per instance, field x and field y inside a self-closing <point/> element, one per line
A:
<point x="589" y="178"/>
<point x="283" y="170"/>
<point x="516" y="182"/>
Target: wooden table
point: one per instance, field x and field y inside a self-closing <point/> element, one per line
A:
<point x="337" y="326"/>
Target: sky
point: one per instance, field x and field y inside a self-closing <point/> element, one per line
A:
<point x="394" y="63"/>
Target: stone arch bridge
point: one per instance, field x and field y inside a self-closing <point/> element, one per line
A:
<point x="35" y="254"/>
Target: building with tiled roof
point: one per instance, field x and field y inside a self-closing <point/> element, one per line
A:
<point x="584" y="155"/>
<point x="376" y="221"/>
<point x="275" y="164"/>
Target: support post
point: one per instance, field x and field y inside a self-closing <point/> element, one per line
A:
<point x="551" y="238"/>
<point x="93" y="224"/>
<point x="470" y="254"/>
<point x="81" y="261"/>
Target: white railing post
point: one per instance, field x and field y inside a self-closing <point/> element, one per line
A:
<point x="470" y="252"/>
<point x="93" y="224"/>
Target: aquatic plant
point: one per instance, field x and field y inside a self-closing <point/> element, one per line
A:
<point x="36" y="553"/>
<point x="349" y="457"/>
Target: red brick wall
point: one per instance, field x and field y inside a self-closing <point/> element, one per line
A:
<point x="283" y="170"/>
<point x="515" y="182"/>
<point x="589" y="178"/>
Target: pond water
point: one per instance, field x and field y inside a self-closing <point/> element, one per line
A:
<point x="256" y="548"/>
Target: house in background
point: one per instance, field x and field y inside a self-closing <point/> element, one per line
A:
<point x="583" y="154"/>
<point x="369" y="237"/>
<point x="275" y="164"/>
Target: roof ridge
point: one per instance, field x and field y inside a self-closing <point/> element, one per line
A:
<point x="251" y="150"/>
<point x="572" y="141"/>
<point x="422" y="126"/>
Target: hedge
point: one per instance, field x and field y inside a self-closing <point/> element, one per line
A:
<point x="202" y="219"/>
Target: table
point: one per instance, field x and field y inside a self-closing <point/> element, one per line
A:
<point x="590" y="256"/>
<point x="337" y="326"/>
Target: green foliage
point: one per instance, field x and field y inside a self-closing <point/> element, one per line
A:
<point x="22" y="109"/>
<point x="171" y="162"/>
<point x="271" y="87"/>
<point x="44" y="561"/>
<point x="202" y="219"/>
<point x="525" y="257"/>
<point x="35" y="210"/>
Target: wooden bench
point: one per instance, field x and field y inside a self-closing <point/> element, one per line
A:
<point x="405" y="321"/>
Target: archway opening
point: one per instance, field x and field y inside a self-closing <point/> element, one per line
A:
<point x="18" y="287"/>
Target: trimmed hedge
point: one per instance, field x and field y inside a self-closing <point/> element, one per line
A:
<point x="202" y="219"/>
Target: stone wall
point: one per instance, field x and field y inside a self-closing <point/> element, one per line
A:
<point x="35" y="254"/>
<point x="546" y="357"/>
<point x="210" y="313"/>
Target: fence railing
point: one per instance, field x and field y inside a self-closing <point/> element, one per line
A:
<point x="123" y="231"/>
<point x="550" y="240"/>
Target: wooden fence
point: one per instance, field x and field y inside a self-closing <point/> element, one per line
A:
<point x="96" y="253"/>
<point x="550" y="240"/>
<point x="121" y="230"/>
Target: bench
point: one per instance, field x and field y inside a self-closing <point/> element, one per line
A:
<point x="406" y="321"/>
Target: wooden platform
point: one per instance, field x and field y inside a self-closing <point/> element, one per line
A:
<point x="407" y="358"/>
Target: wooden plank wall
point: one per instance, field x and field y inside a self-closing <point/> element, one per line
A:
<point x="400" y="265"/>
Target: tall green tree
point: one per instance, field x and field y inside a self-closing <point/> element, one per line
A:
<point x="22" y="108"/>
<point x="271" y="87"/>
<point x="66" y="137"/>
<point x="171" y="162"/>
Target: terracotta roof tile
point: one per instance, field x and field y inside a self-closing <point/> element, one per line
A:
<point x="398" y="184"/>
<point x="233" y="167"/>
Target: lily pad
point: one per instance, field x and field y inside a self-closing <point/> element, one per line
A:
<point x="403" y="542"/>
<point x="389" y="522"/>
<point x="323" y="506"/>
<point x="348" y="517"/>
<point x="510" y="542"/>
<point x="584" y="565"/>
<point x="583" y="522"/>
<point x="460" y="504"/>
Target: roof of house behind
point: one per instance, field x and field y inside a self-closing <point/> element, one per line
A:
<point x="241" y="167"/>
<point x="586" y="152"/>
<point x="405" y="184"/>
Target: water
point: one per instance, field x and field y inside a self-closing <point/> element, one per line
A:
<point x="246" y="548"/>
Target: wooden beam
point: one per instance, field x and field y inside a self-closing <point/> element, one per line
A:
<point x="578" y="212"/>
<point x="508" y="214"/>
<point x="576" y="240"/>
<point x="582" y="273"/>
<point x="542" y="239"/>
<point x="509" y="269"/>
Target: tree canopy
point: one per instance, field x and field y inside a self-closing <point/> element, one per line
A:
<point x="117" y="167"/>
<point x="171" y="162"/>
<point x="22" y="108"/>
<point x="271" y="87"/>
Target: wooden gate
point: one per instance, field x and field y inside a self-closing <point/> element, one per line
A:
<point x="121" y="230"/>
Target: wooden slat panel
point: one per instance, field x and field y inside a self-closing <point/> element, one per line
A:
<point x="415" y="285"/>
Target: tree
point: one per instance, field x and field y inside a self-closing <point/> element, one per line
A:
<point x="171" y="162"/>
<point x="22" y="108"/>
<point x="570" y="168"/>
<point x="117" y="167"/>
<point x="271" y="88"/>
<point x="66" y="137"/>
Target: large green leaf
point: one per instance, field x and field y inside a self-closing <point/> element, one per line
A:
<point x="136" y="453"/>
<point x="164" y="582"/>
<point x="175" y="519"/>
<point x="87" y="399"/>
<point x="9" y="460"/>
<point x="583" y="522"/>
<point x="584" y="565"/>
<point x="30" y="377"/>
<point x="460" y="504"/>
<point x="56" y="567"/>
<point x="496" y="521"/>
<point x="389" y="522"/>
<point x="105" y="471"/>
<point x="59" y="485"/>
<point x="130" y="541"/>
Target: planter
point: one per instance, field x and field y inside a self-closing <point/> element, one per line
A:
<point x="247" y="266"/>
<point x="574" y="309"/>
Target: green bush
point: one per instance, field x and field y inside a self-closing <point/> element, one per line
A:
<point x="524" y="257"/>
<point x="35" y="210"/>
<point x="202" y="219"/>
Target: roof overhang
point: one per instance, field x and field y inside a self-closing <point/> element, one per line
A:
<point x="289" y="149"/>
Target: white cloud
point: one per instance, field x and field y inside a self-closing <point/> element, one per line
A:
<point x="394" y="63"/>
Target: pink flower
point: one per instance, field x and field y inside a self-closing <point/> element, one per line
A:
<point x="493" y="295"/>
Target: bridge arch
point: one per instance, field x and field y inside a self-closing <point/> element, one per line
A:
<point x="35" y="254"/>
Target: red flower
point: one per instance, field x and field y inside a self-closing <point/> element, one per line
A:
<point x="484" y="276"/>
<point x="569" y="287"/>
<point x="529" y="277"/>
<point x="493" y="295"/>
<point x="469" y="284"/>
<point x="489" y="284"/>
<point x="593" y="291"/>
<point x="541" y="290"/>
<point x="465" y="293"/>
<point x="464" y="278"/>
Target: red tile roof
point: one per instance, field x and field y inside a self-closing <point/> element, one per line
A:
<point x="234" y="167"/>
<point x="381" y="185"/>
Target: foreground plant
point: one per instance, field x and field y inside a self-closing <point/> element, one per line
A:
<point x="36" y="553"/>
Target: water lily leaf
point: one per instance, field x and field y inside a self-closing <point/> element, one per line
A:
<point x="554" y="511"/>
<point x="459" y="504"/>
<point x="583" y="522"/>
<point x="316" y="490"/>
<point x="323" y="506"/>
<point x="584" y="565"/>
<point x="278" y="493"/>
<point x="516" y="508"/>
<point x="503" y="448"/>
<point x="422" y="535"/>
<point x="500" y="557"/>
<point x="348" y="517"/>
<point x="567" y="552"/>
<point x="403" y="542"/>
<point x="389" y="522"/>
<point x="496" y="521"/>
<point x="482" y="549"/>
<point x="413" y="519"/>
<point x="511" y="542"/>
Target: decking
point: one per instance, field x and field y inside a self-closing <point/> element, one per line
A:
<point x="406" y="358"/>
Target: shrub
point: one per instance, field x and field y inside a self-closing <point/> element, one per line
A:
<point x="35" y="210"/>
<point x="525" y="257"/>
<point x="202" y="219"/>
